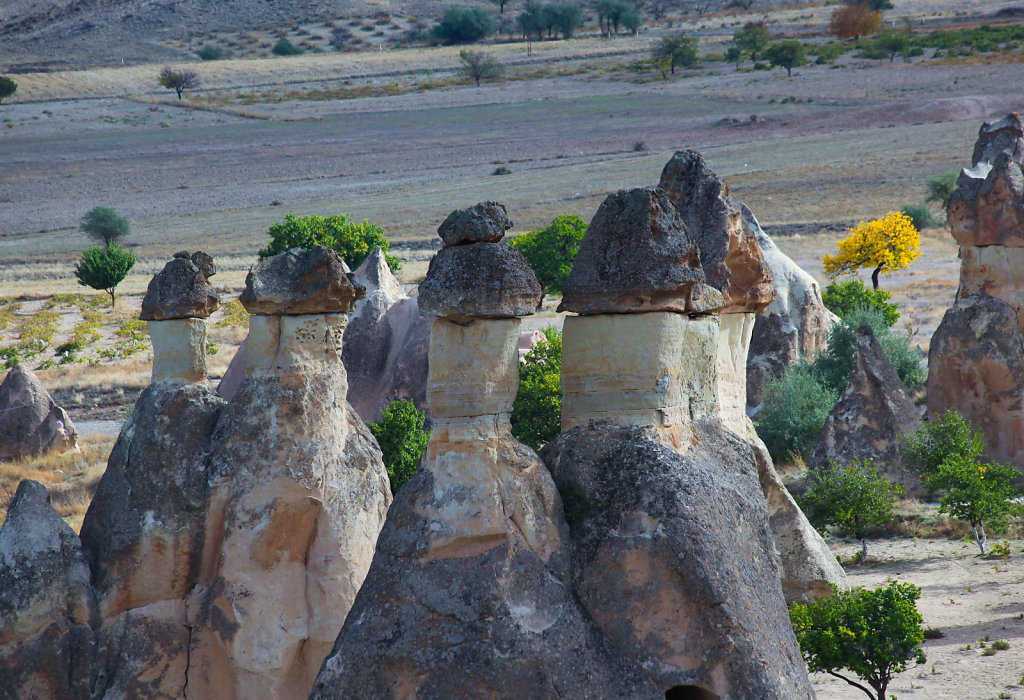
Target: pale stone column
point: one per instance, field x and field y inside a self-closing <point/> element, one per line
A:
<point x="179" y="349"/>
<point x="731" y="365"/>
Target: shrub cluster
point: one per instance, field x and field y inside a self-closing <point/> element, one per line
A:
<point x="353" y="241"/>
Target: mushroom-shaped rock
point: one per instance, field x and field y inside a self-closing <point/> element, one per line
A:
<point x="637" y="256"/>
<point x="485" y="222"/>
<point x="30" y="422"/>
<point x="180" y="290"/>
<point x="479" y="280"/>
<point x="300" y="281"/>
<point x="729" y="253"/>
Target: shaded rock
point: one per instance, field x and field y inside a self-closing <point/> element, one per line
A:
<point x="180" y="290"/>
<point x="204" y="261"/>
<point x="729" y="253"/>
<point x="871" y="414"/>
<point x="637" y="256"/>
<point x="46" y="604"/>
<point x="30" y="422"/>
<point x="479" y="280"/>
<point x="792" y="327"/>
<point x="300" y="282"/>
<point x="485" y="222"/>
<point x="976" y="366"/>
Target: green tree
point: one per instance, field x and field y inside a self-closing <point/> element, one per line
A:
<point x="402" y="440"/>
<point x="734" y="55"/>
<point x="752" y="38"/>
<point x="788" y="54"/>
<point x="104" y="224"/>
<point x="353" y="241"/>
<point x="892" y="43"/>
<point x="873" y="633"/>
<point x="104" y="267"/>
<point x="841" y="298"/>
<point x="537" y="411"/>
<point x="550" y="251"/>
<point x="974" y="492"/>
<point x="853" y="498"/>
<point x="7" y="87"/>
<point x="461" y="25"/>
<point x="286" y="48"/>
<point x="941" y="188"/>
<point x="210" y="53"/>
<point x="612" y="14"/>
<point x="477" y="66"/>
<point x="631" y="18"/>
<point x="939" y="438"/>
<point x="566" y="18"/>
<point x="674" y="50"/>
<point x="795" y="406"/>
<point x="178" y="79"/>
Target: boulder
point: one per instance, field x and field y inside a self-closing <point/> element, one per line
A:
<point x="871" y="414"/>
<point x="46" y="604"/>
<point x="976" y="366"/>
<point x="180" y="290"/>
<point x="300" y="282"/>
<point x="729" y="253"/>
<point x="479" y="280"/>
<point x="485" y="222"/>
<point x="637" y="256"/>
<point x="792" y="327"/>
<point x="30" y="422"/>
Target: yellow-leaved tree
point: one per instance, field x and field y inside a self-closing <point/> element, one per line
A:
<point x="886" y="245"/>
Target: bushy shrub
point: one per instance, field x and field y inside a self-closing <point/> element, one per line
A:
<point x="460" y="25"/>
<point x="940" y="188"/>
<point x="402" y="439"/>
<point x="353" y="241"/>
<point x="286" y="48"/>
<point x="537" y="411"/>
<point x="7" y="87"/>
<point x="939" y="438"/>
<point x="795" y="406"/>
<point x="210" y="53"/>
<point x="842" y="298"/>
<point x="550" y="251"/>
<point x="920" y="215"/>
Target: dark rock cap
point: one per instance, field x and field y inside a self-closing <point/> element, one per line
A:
<point x="637" y="256"/>
<point x="479" y="280"/>
<point x="301" y="281"/>
<point x="729" y="253"/>
<point x="180" y="290"/>
<point x="485" y="222"/>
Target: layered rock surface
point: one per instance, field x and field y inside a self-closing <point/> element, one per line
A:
<point x="181" y="289"/>
<point x="30" y="422"/>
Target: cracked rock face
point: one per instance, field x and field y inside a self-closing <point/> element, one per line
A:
<point x="479" y="280"/>
<point x="30" y="422"/>
<point x="300" y="282"/>
<point x="485" y="222"/>
<point x="181" y="290"/>
<point x="638" y="256"/>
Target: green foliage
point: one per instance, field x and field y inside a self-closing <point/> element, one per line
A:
<point x="613" y="14"/>
<point x="920" y="215"/>
<point x="353" y="242"/>
<point x="537" y="411"/>
<point x="286" y="48"/>
<point x="565" y="18"/>
<point x="7" y="87"/>
<point x="842" y="298"/>
<point x="974" y="492"/>
<point x="827" y="53"/>
<point x="550" y="251"/>
<point x="179" y="79"/>
<point x="892" y="43"/>
<point x="795" y="406"/>
<point x="940" y="188"/>
<point x="210" y="53"/>
<point x="104" y="224"/>
<point x="983" y="39"/>
<point x="832" y="367"/>
<point x="674" y="50"/>
<point x="733" y="55"/>
<point x="478" y="66"/>
<point x="787" y="54"/>
<point x="940" y="438"/>
<point x="873" y="633"/>
<point x="402" y="439"/>
<point x="752" y="38"/>
<point x="461" y="25"/>
<point x="103" y="268"/>
<point x="853" y="498"/>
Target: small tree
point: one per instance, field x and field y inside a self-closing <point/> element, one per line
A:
<point x="872" y="633"/>
<point x="104" y="224"/>
<point x="675" y="50"/>
<point x="752" y="38"/>
<point x="841" y="298"/>
<point x="353" y="241"/>
<point x="734" y="55"/>
<point x="887" y="244"/>
<point x="853" y="498"/>
<point x="892" y="43"/>
<point x="566" y="18"/>
<point x="537" y="411"/>
<point x="179" y="80"/>
<point x="210" y="53"/>
<point x="854" y="21"/>
<point x="941" y="188"/>
<point x="477" y="66"/>
<point x="464" y="25"/>
<point x="402" y="440"/>
<point x="104" y="267"/>
<point x="550" y="251"/>
<point x="794" y="409"/>
<point x="286" y="48"/>
<point x="788" y="54"/>
<point x="7" y="87"/>
<point x="938" y="439"/>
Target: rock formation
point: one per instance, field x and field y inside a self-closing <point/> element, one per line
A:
<point x="976" y="356"/>
<point x="467" y="595"/>
<point x="867" y="421"/>
<point x="30" y="422"/>
<point x="726" y="235"/>
<point x="46" y="604"/>
<point x="671" y="554"/>
<point x="297" y="492"/>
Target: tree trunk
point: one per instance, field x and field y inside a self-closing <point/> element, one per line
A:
<point x="179" y="94"/>
<point x="863" y="550"/>
<point x="874" y="277"/>
<point x="111" y="293"/>
<point x="979" y="536"/>
<point x="789" y="72"/>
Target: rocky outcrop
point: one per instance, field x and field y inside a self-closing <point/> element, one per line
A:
<point x="297" y="493"/>
<point x="872" y="413"/>
<point x="182" y="289"/>
<point x="792" y="327"/>
<point x="485" y="222"/>
<point x="975" y="356"/>
<point x="474" y="268"/>
<point x="46" y="604"/>
<point x="467" y="595"/>
<point x="30" y="422"/>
